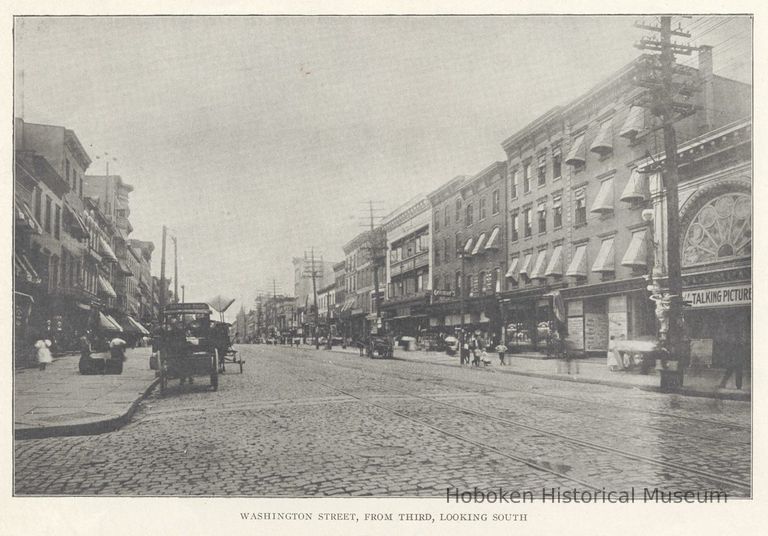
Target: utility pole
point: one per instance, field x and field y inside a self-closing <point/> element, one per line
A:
<point x="163" y="295"/>
<point x="375" y="262"/>
<point x="175" y="272"/>
<point x="664" y="104"/>
<point x="182" y="294"/>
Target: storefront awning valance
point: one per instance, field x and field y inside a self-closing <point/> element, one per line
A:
<point x="605" y="261"/>
<point x="636" y="188"/>
<point x="512" y="269"/>
<point x="636" y="255"/>
<point x="539" y="265"/>
<point x="603" y="143"/>
<point x="106" y="288"/>
<point x="526" y="264"/>
<point x="24" y="269"/>
<point x="468" y="245"/>
<point x="634" y="124"/>
<point x="555" y="266"/>
<point x="106" y="250"/>
<point x="108" y="323"/>
<point x="493" y="240"/>
<point x="577" y="155"/>
<point x="578" y="266"/>
<point x="25" y="219"/>
<point x="479" y="244"/>
<point x="348" y="304"/>
<point x="123" y="268"/>
<point x="139" y="326"/>
<point x="604" y="199"/>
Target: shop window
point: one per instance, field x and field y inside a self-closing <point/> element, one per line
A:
<point x="495" y="202"/>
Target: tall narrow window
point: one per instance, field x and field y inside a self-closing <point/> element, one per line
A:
<point x="542" y="218"/>
<point x="437" y="221"/>
<point x="57" y="222"/>
<point x="557" y="212"/>
<point x="469" y="214"/>
<point x="526" y="177"/>
<point x="527" y="222"/>
<point x="580" y="208"/>
<point x="446" y="249"/>
<point x="38" y="204"/>
<point x="495" y="202"/>
<point x="541" y="170"/>
<point x="513" y="183"/>
<point x="557" y="164"/>
<point x="47" y="214"/>
<point x="514" y="233"/>
<point x="446" y="216"/>
<point x="458" y="210"/>
<point x="481" y="210"/>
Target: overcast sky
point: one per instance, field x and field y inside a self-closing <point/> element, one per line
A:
<point x="255" y="138"/>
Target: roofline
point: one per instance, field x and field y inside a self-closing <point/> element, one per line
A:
<point x="487" y="170"/>
<point x="456" y="182"/>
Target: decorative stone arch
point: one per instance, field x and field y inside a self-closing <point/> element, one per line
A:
<point x="715" y="234"/>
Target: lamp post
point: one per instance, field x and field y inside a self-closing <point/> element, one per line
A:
<point x="460" y="289"/>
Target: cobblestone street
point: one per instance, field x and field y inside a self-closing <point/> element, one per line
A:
<point x="302" y="422"/>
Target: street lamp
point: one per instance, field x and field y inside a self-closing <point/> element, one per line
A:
<point x="460" y="288"/>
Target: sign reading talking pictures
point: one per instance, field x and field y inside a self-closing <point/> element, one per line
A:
<point x="719" y="296"/>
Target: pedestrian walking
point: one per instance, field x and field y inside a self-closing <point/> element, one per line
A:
<point x="501" y="350"/>
<point x="614" y="361"/>
<point x="464" y="351"/>
<point x="735" y="367"/>
<point x="44" y="357"/>
<point x="86" y="364"/>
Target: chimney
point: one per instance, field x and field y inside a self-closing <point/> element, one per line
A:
<point x="707" y="99"/>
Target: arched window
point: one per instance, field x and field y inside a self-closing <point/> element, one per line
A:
<point x="721" y="230"/>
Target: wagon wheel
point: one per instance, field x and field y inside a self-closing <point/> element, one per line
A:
<point x="215" y="369"/>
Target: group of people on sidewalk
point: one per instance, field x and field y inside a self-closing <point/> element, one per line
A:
<point x="477" y="347"/>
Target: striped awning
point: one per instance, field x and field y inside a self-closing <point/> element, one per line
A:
<point x="634" y="124"/>
<point x="108" y="323"/>
<point x="106" y="288"/>
<point x="512" y="268"/>
<point x="468" y="245"/>
<point x="526" y="264"/>
<point x="539" y="265"/>
<point x="137" y="325"/>
<point x="493" y="242"/>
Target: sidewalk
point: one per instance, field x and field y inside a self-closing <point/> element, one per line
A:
<point x="702" y="383"/>
<point x="60" y="401"/>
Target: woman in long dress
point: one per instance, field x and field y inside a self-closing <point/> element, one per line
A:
<point x="43" y="353"/>
<point x="614" y="361"/>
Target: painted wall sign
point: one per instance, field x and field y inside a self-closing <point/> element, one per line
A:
<point x="719" y="296"/>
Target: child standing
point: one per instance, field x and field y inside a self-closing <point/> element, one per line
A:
<point x="43" y="353"/>
<point x="502" y="350"/>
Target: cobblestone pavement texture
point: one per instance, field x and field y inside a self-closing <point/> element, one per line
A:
<point x="301" y="422"/>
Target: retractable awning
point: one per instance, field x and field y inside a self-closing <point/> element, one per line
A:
<point x="107" y="250"/>
<point x="123" y="268"/>
<point x="468" y="245"/>
<point x="555" y="266"/>
<point x="24" y="269"/>
<point x="493" y="242"/>
<point x="80" y="227"/>
<point x="479" y="244"/>
<point x="106" y="288"/>
<point x="24" y="217"/>
<point x="512" y="268"/>
<point x="636" y="188"/>
<point x="108" y="323"/>
<point x="604" y="261"/>
<point x="603" y="143"/>
<point x="526" y="264"/>
<point x="634" y="124"/>
<point x="578" y="266"/>
<point x="636" y="255"/>
<point x="578" y="154"/>
<point x="538" y="267"/>
<point x="604" y="199"/>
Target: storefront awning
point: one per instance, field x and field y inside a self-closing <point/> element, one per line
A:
<point x="493" y="240"/>
<point x="577" y="155"/>
<point x="578" y="266"/>
<point x="25" y="219"/>
<point x="636" y="255"/>
<point x="468" y="245"/>
<point x="24" y="269"/>
<point x="123" y="268"/>
<point x="512" y="269"/>
<point x="634" y="124"/>
<point x="479" y="244"/>
<point x="604" y="200"/>
<point x="80" y="228"/>
<point x="539" y="265"/>
<point x="555" y="266"/>
<point x="348" y="303"/>
<point x="526" y="264"/>
<point x="108" y="323"/>
<point x="603" y="143"/>
<point x="106" y="250"/>
<point x="106" y="288"/>
<point x="604" y="261"/>
<point x="636" y="188"/>
<point x="138" y="325"/>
